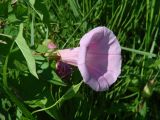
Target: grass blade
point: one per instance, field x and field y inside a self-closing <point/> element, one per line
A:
<point x="139" y="52"/>
<point x="74" y="7"/>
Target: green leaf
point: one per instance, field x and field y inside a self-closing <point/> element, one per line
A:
<point x="20" y="41"/>
<point x="32" y="2"/>
<point x="12" y="18"/>
<point x="37" y="103"/>
<point x="68" y="95"/>
<point x="44" y="65"/>
<point x="56" y="80"/>
<point x="41" y="49"/>
<point x="38" y="57"/>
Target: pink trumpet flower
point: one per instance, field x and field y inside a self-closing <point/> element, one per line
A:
<point x="98" y="58"/>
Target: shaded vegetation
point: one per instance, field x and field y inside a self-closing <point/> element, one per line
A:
<point x="25" y="24"/>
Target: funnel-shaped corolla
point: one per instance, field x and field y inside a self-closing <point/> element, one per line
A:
<point x="98" y="58"/>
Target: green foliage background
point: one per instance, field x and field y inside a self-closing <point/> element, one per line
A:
<point x="29" y="87"/>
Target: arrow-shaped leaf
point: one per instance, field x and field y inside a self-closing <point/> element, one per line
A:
<point x="20" y="41"/>
<point x="68" y="95"/>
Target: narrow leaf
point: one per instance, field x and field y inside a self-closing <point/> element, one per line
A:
<point x="20" y="41"/>
<point x="74" y="7"/>
<point x="32" y="2"/>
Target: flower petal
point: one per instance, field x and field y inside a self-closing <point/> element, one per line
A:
<point x="69" y="56"/>
<point x="102" y="58"/>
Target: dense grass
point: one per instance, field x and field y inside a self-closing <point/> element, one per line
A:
<point x="26" y="24"/>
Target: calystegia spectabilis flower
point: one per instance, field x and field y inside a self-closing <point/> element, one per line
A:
<point x="98" y="58"/>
